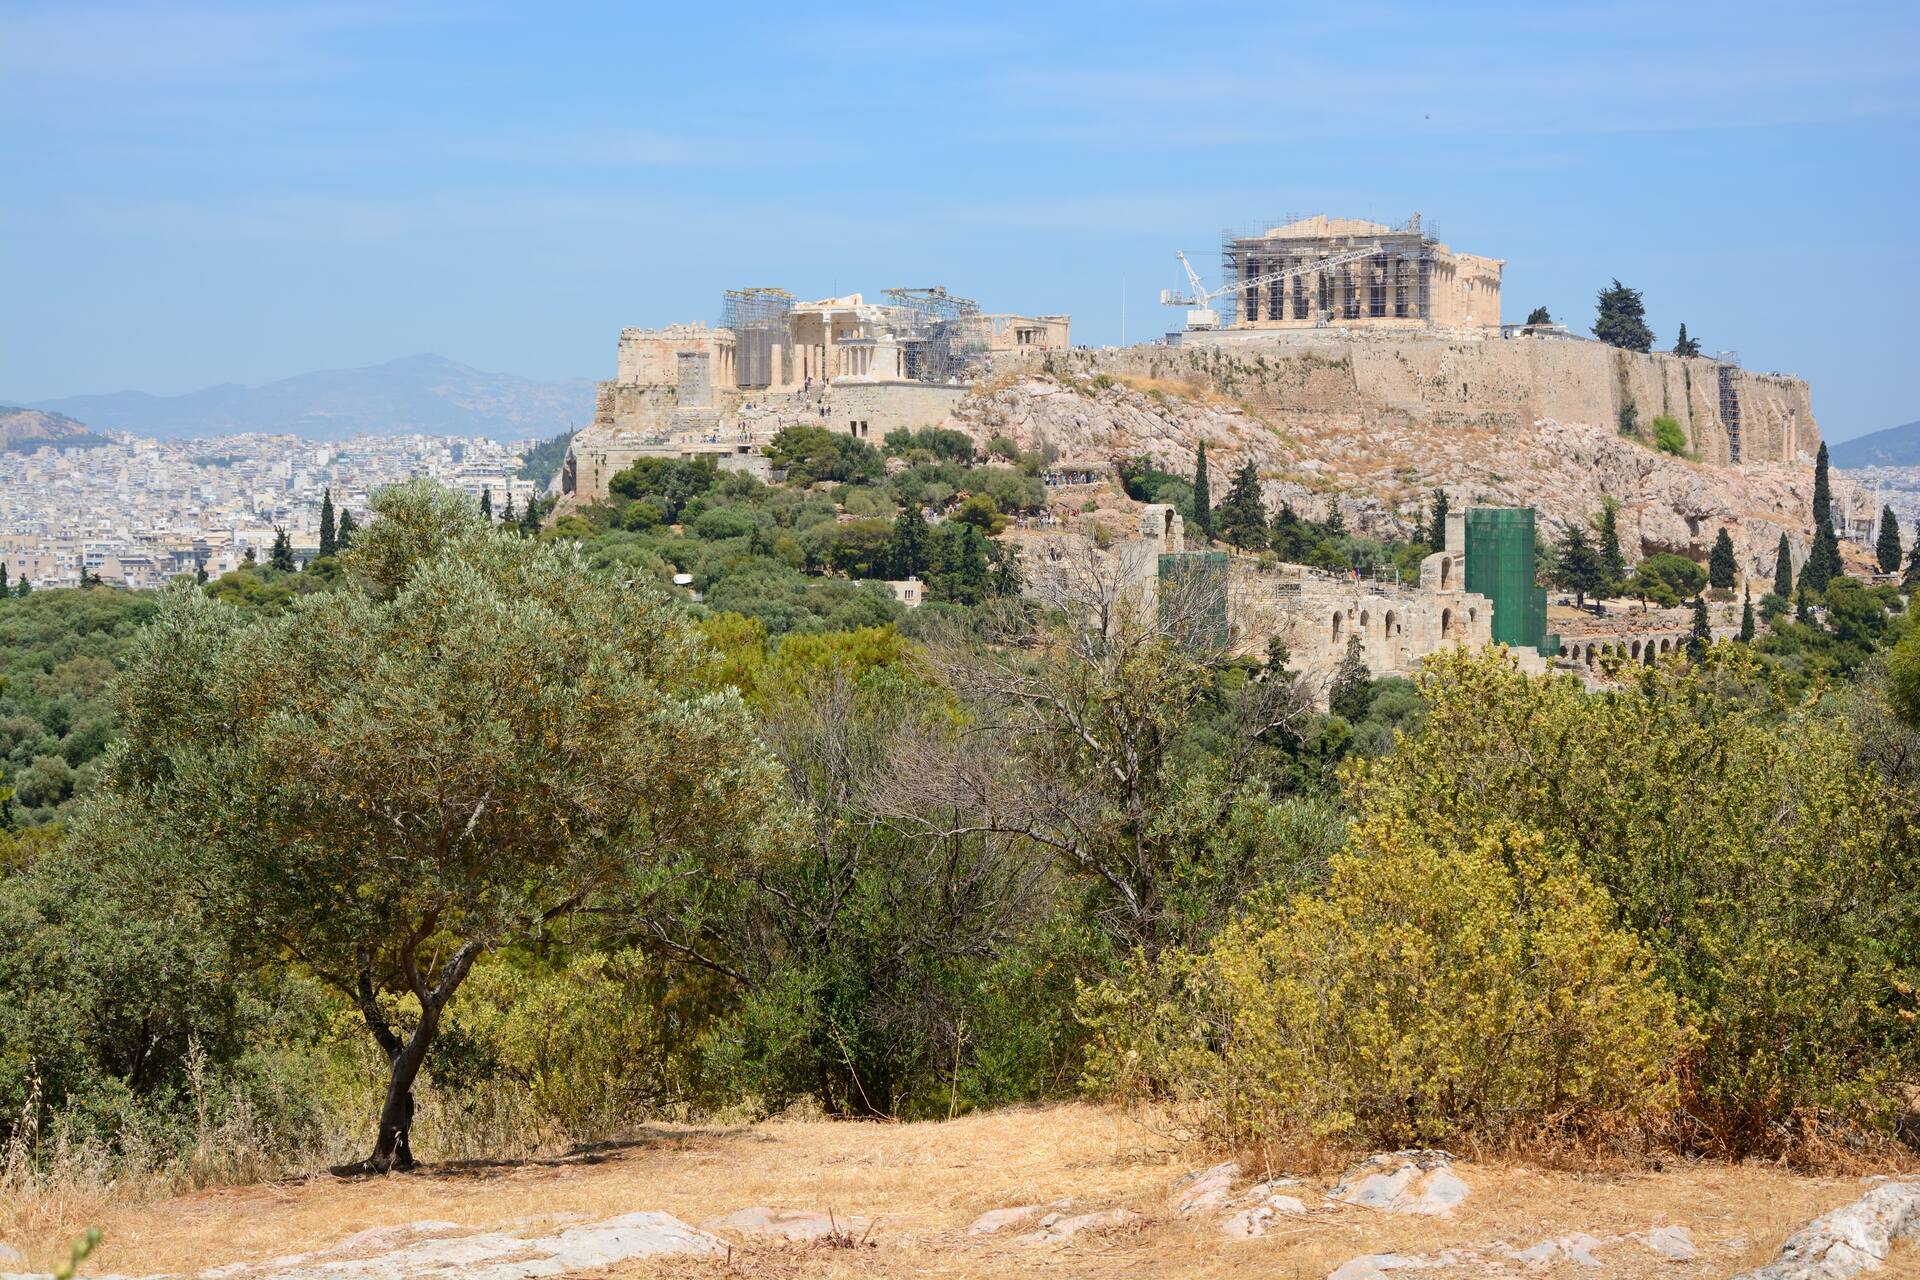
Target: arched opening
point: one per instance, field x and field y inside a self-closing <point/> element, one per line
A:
<point x="1665" y="645"/>
<point x="1473" y="616"/>
<point x="1391" y="624"/>
<point x="1446" y="574"/>
<point x="1365" y="618"/>
<point x="1563" y="651"/>
<point x="1446" y="623"/>
<point x="1590" y="654"/>
<point x="1336" y="625"/>
<point x="1167" y="530"/>
<point x="1633" y="651"/>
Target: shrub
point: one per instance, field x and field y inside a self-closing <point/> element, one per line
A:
<point x="1438" y="989"/>
<point x="1667" y="435"/>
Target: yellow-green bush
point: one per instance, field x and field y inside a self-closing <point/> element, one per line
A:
<point x="1434" y="990"/>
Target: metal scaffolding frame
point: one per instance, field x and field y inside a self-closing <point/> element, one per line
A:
<point x="1396" y="283"/>
<point x="941" y="335"/>
<point x="758" y="319"/>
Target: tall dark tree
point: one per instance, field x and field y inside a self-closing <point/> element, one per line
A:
<point x="251" y="558"/>
<point x="1577" y="566"/>
<point x="1822" y="489"/>
<point x="1802" y="608"/>
<point x="1886" y="552"/>
<point x="530" y="517"/>
<point x="1539" y="315"/>
<point x="3" y="579"/>
<point x="1685" y="346"/>
<point x="1288" y="537"/>
<point x="1909" y="579"/>
<point x="1823" y="561"/>
<point x="1351" y="691"/>
<point x="1746" y="618"/>
<point x="1202" y="493"/>
<point x="959" y="572"/>
<point x="907" y="545"/>
<point x="1622" y="319"/>
<point x="1783" y="570"/>
<point x="506" y="514"/>
<point x="1336" y="518"/>
<point x="328" y="543"/>
<point x="1243" y="515"/>
<point x="200" y="571"/>
<point x="344" y="534"/>
<point x="1702" y="632"/>
<point x="281" y="558"/>
<point x="1441" y="510"/>
<point x="1612" y="563"/>
<point x="486" y="502"/>
<point x="1722" y="568"/>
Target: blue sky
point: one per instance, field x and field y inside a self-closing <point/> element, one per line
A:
<point x="197" y="193"/>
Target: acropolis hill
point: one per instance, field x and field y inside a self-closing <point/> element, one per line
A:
<point x="1348" y="359"/>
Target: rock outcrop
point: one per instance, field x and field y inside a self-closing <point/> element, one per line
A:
<point x="1853" y="1239"/>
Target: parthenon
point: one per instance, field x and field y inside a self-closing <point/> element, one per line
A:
<point x="1379" y="276"/>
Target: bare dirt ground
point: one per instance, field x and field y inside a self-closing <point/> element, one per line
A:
<point x="924" y="1183"/>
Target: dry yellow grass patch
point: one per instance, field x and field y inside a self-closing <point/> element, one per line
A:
<point x="925" y="1182"/>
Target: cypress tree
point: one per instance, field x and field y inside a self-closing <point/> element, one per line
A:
<point x="1802" y="611"/>
<point x="1722" y="569"/>
<point x="1909" y="579"/>
<point x="25" y="588"/>
<point x="1702" y="633"/>
<point x="344" y="535"/>
<point x="281" y="557"/>
<point x="1243" y="516"/>
<point x="506" y="516"/>
<point x="1783" y="570"/>
<point x="1887" y="550"/>
<point x="530" y="518"/>
<point x="907" y="546"/>
<point x="1577" y="565"/>
<point x="1287" y="538"/>
<point x="1611" y="561"/>
<point x="1746" y="618"/>
<point x="1685" y="346"/>
<point x="3" y="579"/>
<point x="1822" y="490"/>
<point x="1440" y="511"/>
<point x="1351" y="692"/>
<point x="327" y="544"/>
<point x="1823" y="562"/>
<point x="486" y="503"/>
<point x="1202" y="493"/>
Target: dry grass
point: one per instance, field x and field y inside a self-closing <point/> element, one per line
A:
<point x="925" y="1182"/>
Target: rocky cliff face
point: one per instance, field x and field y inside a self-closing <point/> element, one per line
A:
<point x="1315" y="437"/>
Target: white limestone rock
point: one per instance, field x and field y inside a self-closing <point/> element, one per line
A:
<point x="1419" y="1182"/>
<point x="1251" y="1223"/>
<point x="1375" y="1266"/>
<point x="1675" y="1244"/>
<point x="1854" y="1238"/>
<point x="1057" y="1227"/>
<point x="1000" y="1219"/>
<point x="1207" y="1189"/>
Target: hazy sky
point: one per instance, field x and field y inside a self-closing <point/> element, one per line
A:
<point x="197" y="193"/>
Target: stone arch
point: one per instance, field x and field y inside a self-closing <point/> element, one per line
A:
<point x="1591" y="650"/>
<point x="1446" y="623"/>
<point x="1390" y="624"/>
<point x="1563" y="651"/>
<point x="1336" y="626"/>
<point x="1446" y="574"/>
<point x="1365" y="618"/>
<point x="1633" y="650"/>
<point x="1473" y="614"/>
<point x="1665" y="645"/>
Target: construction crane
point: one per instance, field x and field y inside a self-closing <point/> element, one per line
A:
<point x="1201" y="314"/>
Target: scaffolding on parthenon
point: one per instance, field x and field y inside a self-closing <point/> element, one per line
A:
<point x="941" y="335"/>
<point x="758" y="318"/>
<point x="1397" y="282"/>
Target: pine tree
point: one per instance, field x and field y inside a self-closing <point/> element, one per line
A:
<point x="1441" y="509"/>
<point x="1539" y="315"/>
<point x="1351" y="692"/>
<point x="1336" y="519"/>
<point x="1288" y="538"/>
<point x="1746" y="618"/>
<point x="344" y="534"/>
<point x="1783" y="570"/>
<point x="1612" y="563"/>
<point x="1577" y="565"/>
<point x="328" y="545"/>
<point x="530" y="518"/>
<point x="1887" y="550"/>
<point x="1722" y="569"/>
<point x="1702" y="633"/>
<point x="1622" y="319"/>
<point x="251" y="558"/>
<point x="1685" y="346"/>
<point x="1243" y="516"/>
<point x="1202" y="493"/>
<point x="281" y="557"/>
<point x="907" y="547"/>
<point x="486" y="503"/>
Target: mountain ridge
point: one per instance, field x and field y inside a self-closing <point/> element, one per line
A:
<point x="1891" y="447"/>
<point x="424" y="393"/>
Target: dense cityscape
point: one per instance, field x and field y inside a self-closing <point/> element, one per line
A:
<point x="137" y="512"/>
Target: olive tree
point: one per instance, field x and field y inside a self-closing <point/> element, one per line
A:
<point x="473" y="739"/>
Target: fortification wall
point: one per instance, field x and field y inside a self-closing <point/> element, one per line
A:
<point x="1326" y="379"/>
<point x="871" y="409"/>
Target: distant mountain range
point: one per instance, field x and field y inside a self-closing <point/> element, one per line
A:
<point x="1895" y="447"/>
<point x="24" y="430"/>
<point x="426" y="393"/>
